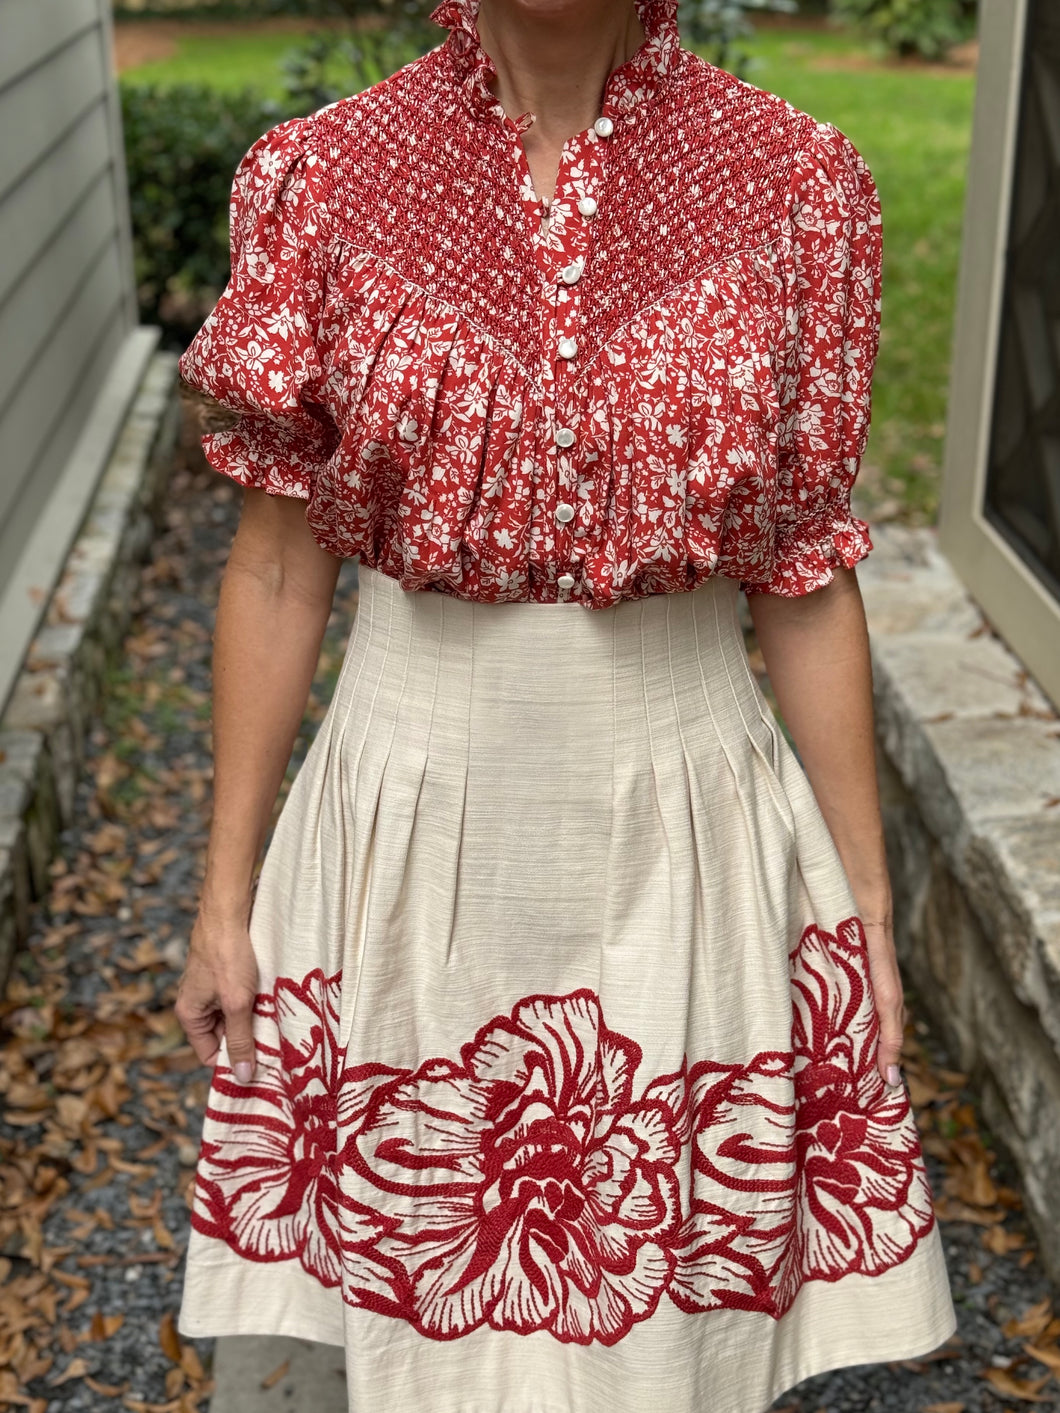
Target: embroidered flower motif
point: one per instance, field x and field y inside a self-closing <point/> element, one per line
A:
<point x="527" y="1188"/>
<point x="824" y="1160"/>
<point x="863" y="1199"/>
<point x="266" y="1179"/>
<point x="740" y="1121"/>
<point x="531" y="1190"/>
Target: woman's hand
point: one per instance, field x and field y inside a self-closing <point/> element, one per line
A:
<point x="887" y="993"/>
<point x="215" y="995"/>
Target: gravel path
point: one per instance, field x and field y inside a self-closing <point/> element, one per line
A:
<point x="102" y="1098"/>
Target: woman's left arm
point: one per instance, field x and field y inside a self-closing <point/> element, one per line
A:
<point x="816" y="651"/>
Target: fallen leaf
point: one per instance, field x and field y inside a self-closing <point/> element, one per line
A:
<point x="949" y="1209"/>
<point x="163" y="1235"/>
<point x="139" y="1170"/>
<point x="85" y="1160"/>
<point x="1001" y="1242"/>
<point x="192" y="1364"/>
<point x="103" y="1326"/>
<point x="1026" y="1390"/>
<point x="270" y="1380"/>
<point x="78" y="1283"/>
<point x="9" y="1387"/>
<point x="944" y="1408"/>
<point x="1031" y="1323"/>
<point x="168" y="1338"/>
<point x="922" y="1088"/>
<point x="142" y="1208"/>
<point x="972" y="1183"/>
<point x="107" y="1390"/>
<point x="1049" y="1357"/>
<point x="76" y="1369"/>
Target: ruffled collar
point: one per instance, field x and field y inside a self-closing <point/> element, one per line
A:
<point x="628" y="87"/>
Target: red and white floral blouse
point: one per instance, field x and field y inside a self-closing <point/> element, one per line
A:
<point x="671" y="379"/>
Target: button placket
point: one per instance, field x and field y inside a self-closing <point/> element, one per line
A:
<point x="579" y="178"/>
<point x="564" y="548"/>
<point x="562" y="248"/>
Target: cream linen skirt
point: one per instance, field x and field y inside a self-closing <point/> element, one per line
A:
<point x="566" y="1098"/>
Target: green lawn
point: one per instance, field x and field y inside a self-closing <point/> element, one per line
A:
<point x="229" y="62"/>
<point x="913" y="128"/>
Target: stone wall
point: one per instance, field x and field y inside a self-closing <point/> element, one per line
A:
<point x="969" y="763"/>
<point x="43" y="723"/>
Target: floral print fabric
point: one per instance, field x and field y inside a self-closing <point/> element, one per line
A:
<point x="539" y="1181"/>
<point x="670" y="380"/>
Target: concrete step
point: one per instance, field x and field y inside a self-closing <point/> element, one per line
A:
<point x="314" y="1380"/>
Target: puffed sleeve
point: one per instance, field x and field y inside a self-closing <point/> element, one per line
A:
<point x="824" y="370"/>
<point x="257" y="354"/>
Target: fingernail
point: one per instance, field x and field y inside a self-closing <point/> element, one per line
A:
<point x="244" y="1071"/>
<point x="894" y="1076"/>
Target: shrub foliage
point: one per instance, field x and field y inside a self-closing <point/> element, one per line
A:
<point x="929" y="28"/>
<point x="720" y="29"/>
<point x="329" y="65"/>
<point x="182" y="145"/>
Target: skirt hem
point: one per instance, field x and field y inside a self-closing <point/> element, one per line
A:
<point x="813" y="1368"/>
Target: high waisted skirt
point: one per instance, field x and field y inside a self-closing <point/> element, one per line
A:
<point x="566" y="1097"/>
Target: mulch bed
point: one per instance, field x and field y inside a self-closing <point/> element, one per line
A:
<point x="101" y="1097"/>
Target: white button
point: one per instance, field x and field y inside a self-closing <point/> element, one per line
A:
<point x="564" y="436"/>
<point x="587" y="206"/>
<point x="566" y="581"/>
<point x="564" y="512"/>
<point x="568" y="348"/>
<point x="571" y="274"/>
<point x="604" y="127"/>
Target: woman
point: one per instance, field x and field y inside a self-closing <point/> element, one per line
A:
<point x="556" y="1063"/>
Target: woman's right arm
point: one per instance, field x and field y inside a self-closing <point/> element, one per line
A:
<point x="275" y="599"/>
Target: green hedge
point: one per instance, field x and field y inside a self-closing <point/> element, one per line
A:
<point x="929" y="28"/>
<point x="182" y="146"/>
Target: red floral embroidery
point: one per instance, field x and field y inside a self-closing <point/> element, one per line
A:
<point x="825" y="1159"/>
<point x="740" y="1122"/>
<point x="532" y="1191"/>
<point x="863" y="1193"/>
<point x="526" y="1187"/>
<point x="267" y="1183"/>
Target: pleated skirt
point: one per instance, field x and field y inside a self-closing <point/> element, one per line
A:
<point x="565" y="1097"/>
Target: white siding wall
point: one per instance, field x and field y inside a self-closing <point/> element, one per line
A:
<point x="67" y="303"/>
